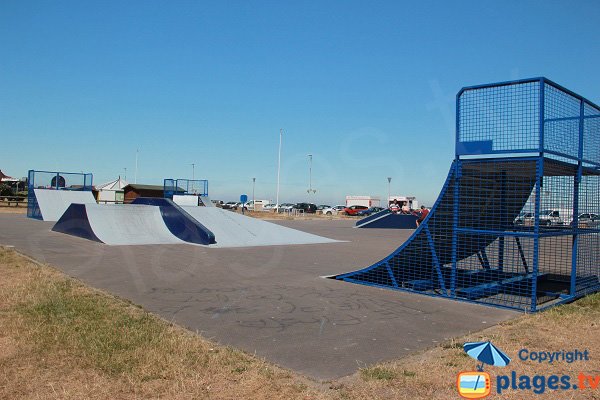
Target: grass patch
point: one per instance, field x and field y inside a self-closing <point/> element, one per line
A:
<point x="59" y="336"/>
<point x="90" y="327"/>
<point x="378" y="373"/>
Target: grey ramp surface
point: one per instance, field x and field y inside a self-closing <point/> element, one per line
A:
<point x="53" y="203"/>
<point x="207" y="201"/>
<point x="236" y="230"/>
<point x="268" y="300"/>
<point x="129" y="224"/>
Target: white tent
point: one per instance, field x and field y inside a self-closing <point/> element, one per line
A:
<point x="111" y="192"/>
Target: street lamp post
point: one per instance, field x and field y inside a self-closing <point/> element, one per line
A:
<point x="253" y="185"/>
<point x="193" y="170"/>
<point x="125" y="178"/>
<point x="389" y="193"/>
<point x="279" y="167"/>
<point x="310" y="189"/>
<point x="136" y="165"/>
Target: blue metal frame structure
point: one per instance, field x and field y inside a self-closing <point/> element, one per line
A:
<point x="505" y="230"/>
<point x="54" y="180"/>
<point x="181" y="186"/>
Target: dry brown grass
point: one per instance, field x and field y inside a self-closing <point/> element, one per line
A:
<point x="62" y="340"/>
<point x="268" y="215"/>
<point x="22" y="209"/>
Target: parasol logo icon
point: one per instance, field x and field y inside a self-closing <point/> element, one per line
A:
<point x="474" y="385"/>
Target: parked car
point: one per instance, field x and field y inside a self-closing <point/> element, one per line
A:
<point x="520" y="219"/>
<point x="308" y="208"/>
<point x="286" y="207"/>
<point x="353" y="210"/>
<point x="333" y="210"/>
<point x="322" y="207"/>
<point x="588" y="220"/>
<point x="547" y="217"/>
<point x="369" y="211"/>
<point x="269" y="207"/>
<point x="229" y="205"/>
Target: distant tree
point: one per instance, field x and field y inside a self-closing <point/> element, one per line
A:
<point x="5" y="190"/>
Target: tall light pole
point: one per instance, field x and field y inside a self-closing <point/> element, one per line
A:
<point x="136" y="165"/>
<point x="193" y="167"/>
<point x="387" y="202"/>
<point x="253" y="185"/>
<point x="125" y="174"/>
<point x="310" y="189"/>
<point x="279" y="167"/>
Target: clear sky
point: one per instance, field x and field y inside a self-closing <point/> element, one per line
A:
<point x="367" y="88"/>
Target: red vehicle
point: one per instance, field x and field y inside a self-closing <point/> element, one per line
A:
<point x="353" y="210"/>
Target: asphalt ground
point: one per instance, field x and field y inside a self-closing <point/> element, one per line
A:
<point x="269" y="301"/>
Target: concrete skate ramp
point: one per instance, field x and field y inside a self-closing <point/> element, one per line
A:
<point x="207" y="201"/>
<point x="118" y="224"/>
<point x="235" y="230"/>
<point x="53" y="203"/>
<point x="179" y="222"/>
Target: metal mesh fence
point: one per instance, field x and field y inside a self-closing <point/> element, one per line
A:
<point x="196" y="187"/>
<point x="507" y="116"/>
<point x="54" y="181"/>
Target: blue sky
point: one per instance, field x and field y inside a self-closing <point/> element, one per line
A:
<point x="367" y="88"/>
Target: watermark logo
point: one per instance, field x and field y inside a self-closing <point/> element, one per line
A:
<point x="477" y="385"/>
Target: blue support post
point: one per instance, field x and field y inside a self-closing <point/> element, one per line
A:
<point x="538" y="192"/>
<point x="577" y="181"/>
<point x="522" y="254"/>
<point x="391" y="274"/>
<point x="436" y="262"/>
<point x="483" y="259"/>
<point x="456" y="211"/>
<point x="502" y="220"/>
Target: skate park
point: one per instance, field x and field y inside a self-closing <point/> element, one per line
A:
<point x="267" y="291"/>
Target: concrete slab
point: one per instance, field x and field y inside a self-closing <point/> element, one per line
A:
<point x="268" y="300"/>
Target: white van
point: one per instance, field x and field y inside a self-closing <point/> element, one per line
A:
<point x="552" y="217"/>
<point x="256" y="205"/>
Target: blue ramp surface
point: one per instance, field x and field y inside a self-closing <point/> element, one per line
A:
<point x="423" y="262"/>
<point x="179" y="222"/>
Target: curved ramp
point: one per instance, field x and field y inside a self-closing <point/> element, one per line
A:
<point x="116" y="225"/>
<point x="235" y="230"/>
<point x="424" y="263"/>
<point x="53" y="203"/>
<point x="179" y="222"/>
